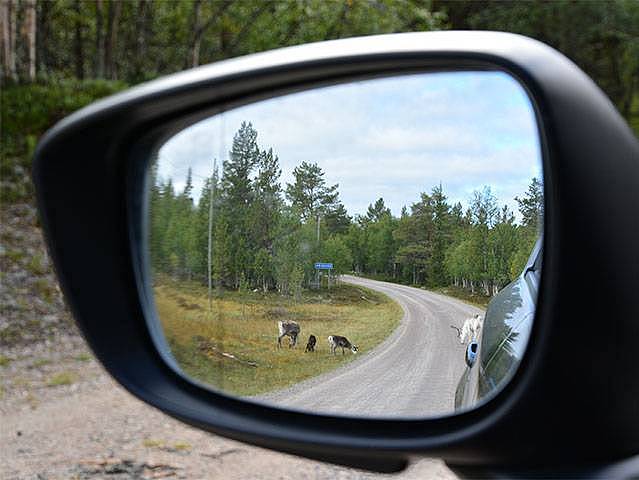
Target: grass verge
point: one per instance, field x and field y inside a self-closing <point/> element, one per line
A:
<point x="476" y="299"/>
<point x="244" y="325"/>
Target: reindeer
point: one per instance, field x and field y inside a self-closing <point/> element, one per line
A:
<point x="470" y="329"/>
<point x="335" y="341"/>
<point x="310" y="346"/>
<point x="287" y="328"/>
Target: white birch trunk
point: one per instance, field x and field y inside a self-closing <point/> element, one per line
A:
<point x="8" y="23"/>
<point x="30" y="37"/>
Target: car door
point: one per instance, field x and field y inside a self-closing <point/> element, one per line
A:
<point x="503" y="337"/>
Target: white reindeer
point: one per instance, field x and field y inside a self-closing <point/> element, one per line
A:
<point x="470" y="329"/>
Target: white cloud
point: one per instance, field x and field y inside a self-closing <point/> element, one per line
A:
<point x="390" y="138"/>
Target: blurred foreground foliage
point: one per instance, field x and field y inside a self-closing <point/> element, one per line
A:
<point x="28" y="110"/>
<point x="51" y="47"/>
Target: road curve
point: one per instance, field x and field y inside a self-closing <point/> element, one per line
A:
<point x="413" y="373"/>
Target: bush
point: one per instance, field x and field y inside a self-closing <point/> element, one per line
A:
<point x="26" y="112"/>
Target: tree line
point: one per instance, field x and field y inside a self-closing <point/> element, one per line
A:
<point x="137" y="40"/>
<point x="263" y="235"/>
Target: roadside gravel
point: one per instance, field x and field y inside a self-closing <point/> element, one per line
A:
<point x="91" y="428"/>
<point x="31" y="305"/>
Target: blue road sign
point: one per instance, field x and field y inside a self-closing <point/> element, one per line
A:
<point x="323" y="266"/>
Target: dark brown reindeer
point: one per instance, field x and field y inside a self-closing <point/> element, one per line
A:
<point x="310" y="345"/>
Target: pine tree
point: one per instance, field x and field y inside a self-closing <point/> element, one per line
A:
<point x="309" y="195"/>
<point x="414" y="239"/>
<point x="531" y="206"/>
<point x="337" y="220"/>
<point x="156" y="233"/>
<point x="376" y="212"/>
<point x="244" y="157"/>
<point x="166" y="211"/>
<point x="265" y="217"/>
<point x="237" y="197"/>
<point x="222" y="248"/>
<point x="503" y="241"/>
<point x="442" y="231"/>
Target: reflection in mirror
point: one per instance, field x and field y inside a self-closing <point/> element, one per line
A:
<point x="338" y="250"/>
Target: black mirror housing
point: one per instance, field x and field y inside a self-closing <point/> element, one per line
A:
<point x="89" y="172"/>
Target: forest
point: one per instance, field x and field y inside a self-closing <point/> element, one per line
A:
<point x="136" y="40"/>
<point x="248" y="231"/>
<point x="59" y="55"/>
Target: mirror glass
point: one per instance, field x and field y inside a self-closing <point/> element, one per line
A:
<point x="370" y="248"/>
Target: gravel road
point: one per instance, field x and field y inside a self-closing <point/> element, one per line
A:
<point x="413" y="373"/>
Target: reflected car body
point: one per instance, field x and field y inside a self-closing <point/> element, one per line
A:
<point x="504" y="335"/>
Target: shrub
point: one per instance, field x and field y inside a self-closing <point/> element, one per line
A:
<point x="26" y="112"/>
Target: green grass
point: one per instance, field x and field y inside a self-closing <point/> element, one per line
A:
<point x="245" y="326"/>
<point x="63" y="378"/>
<point x="15" y="256"/>
<point x="36" y="265"/>
<point x="41" y="362"/>
<point x="45" y="289"/>
<point x="83" y="357"/>
<point x="4" y="360"/>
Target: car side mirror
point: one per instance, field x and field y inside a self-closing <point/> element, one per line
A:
<point x="92" y="178"/>
<point x="471" y="354"/>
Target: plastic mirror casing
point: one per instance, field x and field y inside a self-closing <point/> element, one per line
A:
<point x="562" y="408"/>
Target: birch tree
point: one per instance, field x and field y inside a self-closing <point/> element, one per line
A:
<point x="8" y="20"/>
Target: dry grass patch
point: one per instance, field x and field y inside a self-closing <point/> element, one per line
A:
<point x="152" y="443"/>
<point x="182" y="446"/>
<point x="234" y="346"/>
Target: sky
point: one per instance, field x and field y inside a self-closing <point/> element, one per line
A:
<point x="393" y="138"/>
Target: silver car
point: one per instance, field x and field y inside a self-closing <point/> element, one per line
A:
<point x="493" y="357"/>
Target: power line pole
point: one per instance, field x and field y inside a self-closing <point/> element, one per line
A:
<point x="212" y="196"/>
<point x="212" y="187"/>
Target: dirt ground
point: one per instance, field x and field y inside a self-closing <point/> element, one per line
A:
<point x="63" y="417"/>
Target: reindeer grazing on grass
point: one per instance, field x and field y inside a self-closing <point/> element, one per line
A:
<point x="310" y="346"/>
<point x="287" y="328"/>
<point x="335" y="341"/>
